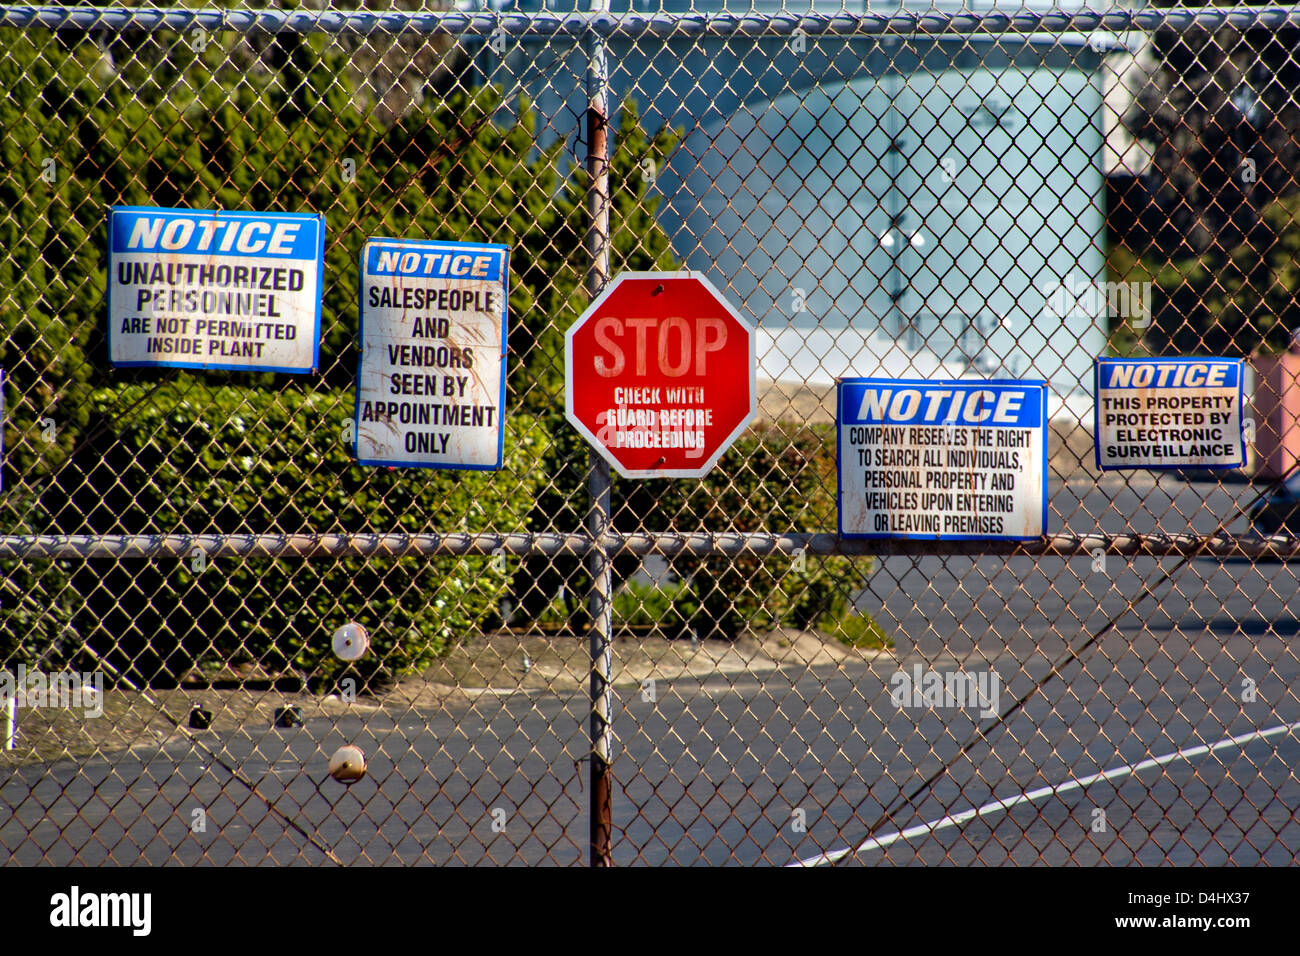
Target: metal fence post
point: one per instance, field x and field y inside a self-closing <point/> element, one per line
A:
<point x="598" y="480"/>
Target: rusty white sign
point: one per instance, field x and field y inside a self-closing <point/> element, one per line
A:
<point x="431" y="377"/>
<point x="210" y="289"/>
<point x="949" y="460"/>
<point x="1169" y="413"/>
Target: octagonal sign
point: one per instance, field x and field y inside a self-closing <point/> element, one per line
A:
<point x="659" y="374"/>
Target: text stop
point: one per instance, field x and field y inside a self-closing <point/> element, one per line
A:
<point x="679" y="346"/>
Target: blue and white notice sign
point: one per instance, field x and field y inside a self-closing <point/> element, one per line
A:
<point x="431" y="382"/>
<point x="214" y="290"/>
<point x="942" y="459"/>
<point x="1169" y="413"/>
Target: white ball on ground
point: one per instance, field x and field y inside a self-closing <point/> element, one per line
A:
<point x="348" y="765"/>
<point x="351" y="642"/>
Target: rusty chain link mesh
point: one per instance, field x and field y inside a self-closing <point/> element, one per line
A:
<point x="924" y="191"/>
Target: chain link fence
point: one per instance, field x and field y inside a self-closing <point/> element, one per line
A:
<point x="206" y="599"/>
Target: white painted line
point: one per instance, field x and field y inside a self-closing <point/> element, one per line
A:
<point x="957" y="819"/>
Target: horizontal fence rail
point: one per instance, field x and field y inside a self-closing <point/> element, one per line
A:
<point x="667" y="544"/>
<point x="649" y="26"/>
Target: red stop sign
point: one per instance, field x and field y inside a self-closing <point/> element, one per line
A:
<point x="659" y="374"/>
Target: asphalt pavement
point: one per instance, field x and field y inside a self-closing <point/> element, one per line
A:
<point x="1168" y="738"/>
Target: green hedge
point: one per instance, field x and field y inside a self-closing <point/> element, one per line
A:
<point x="778" y="478"/>
<point x="36" y="603"/>
<point x="190" y="458"/>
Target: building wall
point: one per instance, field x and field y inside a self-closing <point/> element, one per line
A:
<point x="876" y="205"/>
